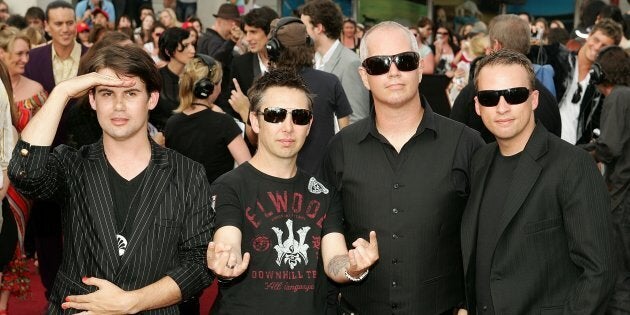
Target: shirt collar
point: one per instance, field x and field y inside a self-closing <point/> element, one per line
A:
<point x="427" y="122"/>
<point x="75" y="55"/>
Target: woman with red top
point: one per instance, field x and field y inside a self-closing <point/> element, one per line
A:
<point x="28" y="97"/>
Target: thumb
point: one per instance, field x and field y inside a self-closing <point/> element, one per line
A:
<point x="93" y="281"/>
<point x="373" y="241"/>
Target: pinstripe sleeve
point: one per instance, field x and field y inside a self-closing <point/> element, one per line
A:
<point x="35" y="172"/>
<point x="192" y="275"/>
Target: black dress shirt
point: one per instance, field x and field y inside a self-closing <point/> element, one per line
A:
<point x="414" y="201"/>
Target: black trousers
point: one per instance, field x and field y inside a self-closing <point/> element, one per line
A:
<point x="46" y="221"/>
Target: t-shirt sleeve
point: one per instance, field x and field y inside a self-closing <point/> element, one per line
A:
<point x="230" y="129"/>
<point x="334" y="216"/>
<point x="226" y="204"/>
<point x="343" y="108"/>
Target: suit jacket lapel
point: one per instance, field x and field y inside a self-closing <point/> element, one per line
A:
<point x="470" y="219"/>
<point x="101" y="204"/>
<point x="153" y="187"/>
<point x="334" y="59"/>
<point x="525" y="176"/>
<point x="255" y="68"/>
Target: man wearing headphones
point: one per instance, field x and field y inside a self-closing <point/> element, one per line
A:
<point x="611" y="74"/>
<point x="290" y="47"/>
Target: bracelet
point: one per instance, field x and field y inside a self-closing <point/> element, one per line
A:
<point x="361" y="277"/>
<point x="223" y="280"/>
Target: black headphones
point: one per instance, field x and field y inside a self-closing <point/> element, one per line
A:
<point x="273" y="46"/>
<point x="598" y="75"/>
<point x="204" y="87"/>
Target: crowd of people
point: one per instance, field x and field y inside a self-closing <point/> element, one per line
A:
<point x="296" y="160"/>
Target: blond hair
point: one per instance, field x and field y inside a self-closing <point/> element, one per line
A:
<point x="8" y="36"/>
<point x="195" y="70"/>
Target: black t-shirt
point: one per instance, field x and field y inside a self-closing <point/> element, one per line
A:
<point x="203" y="137"/>
<point x="282" y="222"/>
<point x="329" y="100"/>
<point x="491" y="210"/>
<point x="169" y="99"/>
<point x="123" y="194"/>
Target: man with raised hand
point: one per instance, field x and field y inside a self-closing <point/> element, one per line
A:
<point x="137" y="216"/>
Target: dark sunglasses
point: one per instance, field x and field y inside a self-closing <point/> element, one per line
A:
<point x="277" y="115"/>
<point x="513" y="96"/>
<point x="377" y="65"/>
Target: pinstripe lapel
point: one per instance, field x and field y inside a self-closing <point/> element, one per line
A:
<point x="153" y="185"/>
<point x="101" y="205"/>
<point x="525" y="176"/>
<point x="470" y="219"/>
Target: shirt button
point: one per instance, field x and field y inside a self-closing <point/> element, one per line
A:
<point x="395" y="211"/>
<point x="21" y="174"/>
<point x="396" y="186"/>
<point x="394" y="305"/>
<point x="485" y="308"/>
<point x="394" y="284"/>
<point x="395" y="261"/>
<point x="24" y="152"/>
<point x="395" y="236"/>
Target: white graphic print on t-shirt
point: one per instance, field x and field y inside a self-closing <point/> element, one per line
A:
<point x="290" y="251"/>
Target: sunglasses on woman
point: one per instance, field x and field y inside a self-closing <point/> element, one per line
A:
<point x="377" y="65"/>
<point x="513" y="96"/>
<point x="276" y="115"/>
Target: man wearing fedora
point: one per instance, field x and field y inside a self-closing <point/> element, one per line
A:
<point x="218" y="42"/>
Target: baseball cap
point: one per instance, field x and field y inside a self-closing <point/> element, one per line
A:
<point x="97" y="11"/>
<point x="290" y="35"/>
<point x="81" y="27"/>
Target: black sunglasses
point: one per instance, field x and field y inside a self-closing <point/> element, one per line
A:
<point x="377" y="65"/>
<point x="513" y="96"/>
<point x="275" y="115"/>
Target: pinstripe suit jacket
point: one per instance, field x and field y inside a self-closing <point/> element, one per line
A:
<point x="172" y="228"/>
<point x="553" y="247"/>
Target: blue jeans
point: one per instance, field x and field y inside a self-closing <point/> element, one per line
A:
<point x="185" y="10"/>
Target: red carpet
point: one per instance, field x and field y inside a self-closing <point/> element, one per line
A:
<point x="36" y="303"/>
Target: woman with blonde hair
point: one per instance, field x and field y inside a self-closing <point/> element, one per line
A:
<point x="197" y="129"/>
<point x="168" y="18"/>
<point x="15" y="111"/>
<point x="29" y="95"/>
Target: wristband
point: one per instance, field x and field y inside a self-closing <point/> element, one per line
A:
<point x="223" y="280"/>
<point x="353" y="279"/>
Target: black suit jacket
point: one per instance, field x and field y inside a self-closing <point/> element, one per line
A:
<point x="553" y="250"/>
<point x="245" y="68"/>
<point x="172" y="227"/>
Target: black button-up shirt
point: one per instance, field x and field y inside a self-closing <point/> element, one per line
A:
<point x="414" y="200"/>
